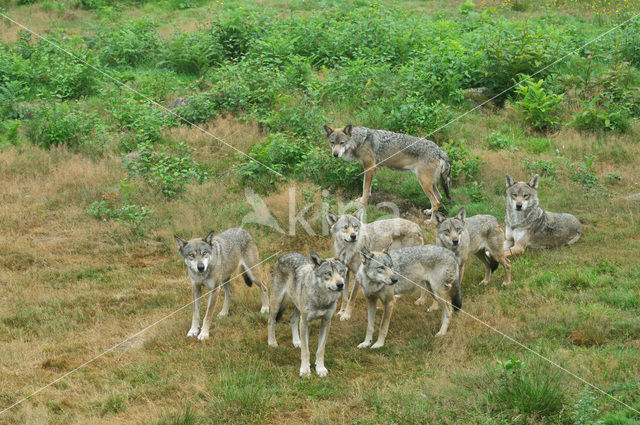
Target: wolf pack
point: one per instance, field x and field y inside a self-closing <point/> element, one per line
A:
<point x="387" y="258"/>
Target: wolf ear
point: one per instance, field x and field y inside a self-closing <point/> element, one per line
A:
<point x="510" y="181"/>
<point x="181" y="242"/>
<point x="462" y="214"/>
<point x="386" y="250"/>
<point x="534" y="181"/>
<point x="315" y="259"/>
<point x="209" y="238"/>
<point x="331" y="218"/>
<point x="366" y="255"/>
<point x="359" y="214"/>
<point x="328" y="130"/>
<point x="347" y="129"/>
<point x="439" y="217"/>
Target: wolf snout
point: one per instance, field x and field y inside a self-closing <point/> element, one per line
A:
<point x="335" y="154"/>
<point x="200" y="267"/>
<point x="518" y="205"/>
<point x="394" y="280"/>
<point x="353" y="236"/>
<point x="455" y="241"/>
<point x="340" y="285"/>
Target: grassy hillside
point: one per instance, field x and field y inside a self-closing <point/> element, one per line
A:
<point x="96" y="177"/>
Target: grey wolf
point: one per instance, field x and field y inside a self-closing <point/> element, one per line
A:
<point x="211" y="262"/>
<point x="396" y="151"/>
<point x="314" y="285"/>
<point x="479" y="235"/>
<point x="388" y="274"/>
<point x="350" y="234"/>
<point x="528" y="225"/>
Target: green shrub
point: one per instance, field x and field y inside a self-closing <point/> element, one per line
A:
<point x="9" y="131"/>
<point x="606" y="117"/>
<point x="529" y="393"/>
<point x="544" y="167"/>
<point x="630" y="46"/>
<point x="134" y="43"/>
<point x="190" y="53"/>
<point x="497" y="142"/>
<point x="539" y="107"/>
<point x="464" y="164"/>
<point x="131" y="214"/>
<point x="166" y="168"/>
<point x="143" y="120"/>
<point x="60" y="124"/>
<point x="584" y="172"/>
<point x="410" y="115"/>
<point x="11" y="92"/>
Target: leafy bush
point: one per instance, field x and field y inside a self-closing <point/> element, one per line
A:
<point x="464" y="164"/>
<point x="631" y="43"/>
<point x="411" y="115"/>
<point x="132" y="44"/>
<point x="131" y="214"/>
<point x="144" y="121"/>
<point x="584" y="172"/>
<point x="544" y="167"/>
<point x="528" y="393"/>
<point x="60" y="124"/>
<point x="9" y="131"/>
<point x="166" y="168"/>
<point x="606" y="117"/>
<point x="539" y="107"/>
<point x="190" y="53"/>
<point x="497" y="142"/>
<point x="11" y="93"/>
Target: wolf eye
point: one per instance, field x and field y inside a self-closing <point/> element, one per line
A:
<point x="526" y="196"/>
<point x="513" y="195"/>
<point x="380" y="269"/>
<point x="191" y="256"/>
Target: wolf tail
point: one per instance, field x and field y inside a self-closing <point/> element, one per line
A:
<point x="456" y="301"/>
<point x="445" y="179"/>
<point x="247" y="276"/>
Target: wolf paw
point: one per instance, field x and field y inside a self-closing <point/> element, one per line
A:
<point x="203" y="335"/>
<point x="193" y="332"/>
<point x="305" y="372"/>
<point x="296" y="343"/>
<point x="505" y="283"/>
<point x="433" y="308"/>
<point x="264" y="309"/>
<point x="345" y="316"/>
<point x="321" y="371"/>
<point x="420" y="301"/>
<point x="440" y="333"/>
<point x="378" y="344"/>
<point x="483" y="282"/>
<point x="273" y="343"/>
<point x="223" y="314"/>
<point x="364" y="344"/>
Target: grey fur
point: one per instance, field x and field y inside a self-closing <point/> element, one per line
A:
<point x="350" y="234"/>
<point x="396" y="151"/>
<point x="218" y="257"/>
<point x="428" y="266"/>
<point x="314" y="286"/>
<point x="531" y="226"/>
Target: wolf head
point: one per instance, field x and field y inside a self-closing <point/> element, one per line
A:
<point x="197" y="253"/>
<point x="449" y="231"/>
<point x="378" y="266"/>
<point x="340" y="140"/>
<point x="522" y="196"/>
<point x="330" y="273"/>
<point x="346" y="227"/>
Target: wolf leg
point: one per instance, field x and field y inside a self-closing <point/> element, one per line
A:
<point x="346" y="314"/>
<point x="370" y="170"/>
<point x="206" y="322"/>
<point x="195" y="318"/>
<point x="371" y="317"/>
<point x="295" y="326"/>
<point x="227" y="298"/>
<point x="423" y="297"/>
<point x="275" y="303"/>
<point x="447" y="312"/>
<point x="386" y="319"/>
<point x="305" y="364"/>
<point x="322" y="340"/>
<point x="426" y="180"/>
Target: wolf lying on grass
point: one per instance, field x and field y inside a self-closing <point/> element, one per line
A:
<point x="211" y="262"/>
<point x="528" y="225"/>
<point x="387" y="274"/>
<point x="396" y="151"/>
<point x="480" y="235"/>
<point x="314" y="285"/>
<point x="350" y="235"/>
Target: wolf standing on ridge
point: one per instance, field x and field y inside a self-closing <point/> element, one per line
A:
<point x="528" y="225"/>
<point x="396" y="151"/>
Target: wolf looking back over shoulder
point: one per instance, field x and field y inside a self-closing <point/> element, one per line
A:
<point x="396" y="151"/>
